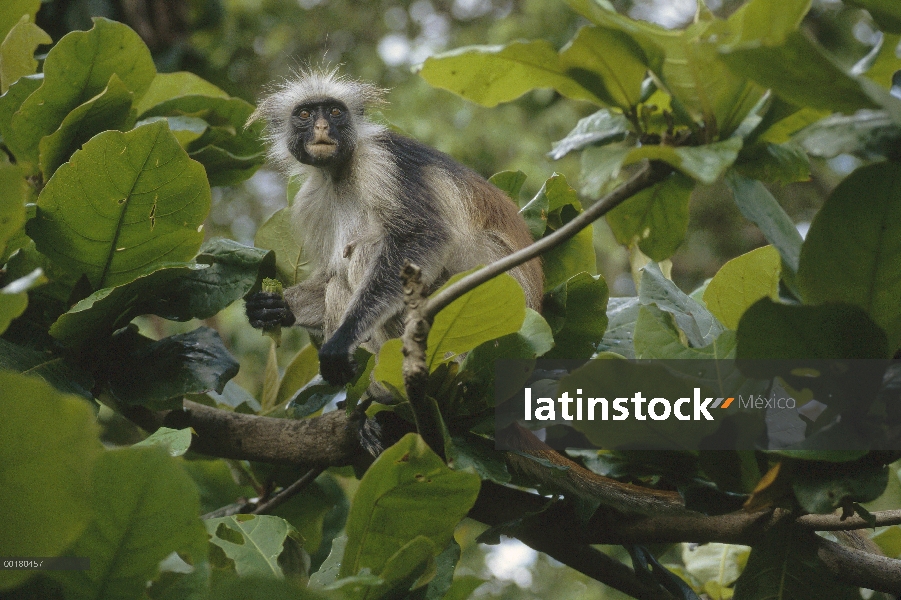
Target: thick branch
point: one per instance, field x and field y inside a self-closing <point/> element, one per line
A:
<point x="860" y="568"/>
<point x="415" y="369"/>
<point x="645" y="178"/>
<point x="331" y="440"/>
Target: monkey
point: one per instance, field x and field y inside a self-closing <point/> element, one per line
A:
<point x="372" y="200"/>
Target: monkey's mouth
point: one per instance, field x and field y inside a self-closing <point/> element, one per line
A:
<point x="322" y="148"/>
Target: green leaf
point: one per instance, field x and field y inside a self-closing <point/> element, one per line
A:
<point x="577" y="314"/>
<point x="853" y="250"/>
<point x="655" y="337"/>
<point x="254" y="542"/>
<point x="9" y="104"/>
<point x="889" y="540"/>
<point x="14" y="299"/>
<point x="277" y="234"/>
<point x="785" y="565"/>
<point x="802" y="73"/>
<point x="657" y="217"/>
<point x="489" y="75"/>
<point x="13" y="194"/>
<point x="494" y="309"/>
<point x="532" y="340"/>
<point x="407" y="492"/>
<point x="608" y="63"/>
<point x="226" y="168"/>
<point x="603" y="127"/>
<point x="302" y="368"/>
<point x="555" y="205"/>
<point x="174" y="441"/>
<point x="779" y="331"/>
<point x="775" y="163"/>
<point x="757" y="204"/>
<point x="49" y="448"/>
<point x="510" y="182"/>
<point x="110" y="109"/>
<point x="137" y="522"/>
<point x="705" y="163"/>
<point x="17" y="51"/>
<point x="103" y="312"/>
<point x="56" y="370"/>
<point x="389" y="366"/>
<point x="622" y="314"/>
<point x="867" y="134"/>
<point x="124" y="202"/>
<point x="232" y="270"/>
<point x="108" y="48"/>
<point x="413" y="564"/>
<point x="693" y="318"/>
<point x="741" y="282"/>
<point x="151" y="372"/>
<point x="884" y="60"/>
<point x="166" y="86"/>
<point x="11" y="12"/>
<point x="886" y="13"/>
<point x="761" y="22"/>
<point x="600" y="167"/>
<point x="822" y="487"/>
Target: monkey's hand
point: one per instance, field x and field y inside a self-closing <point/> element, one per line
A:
<point x="336" y="363"/>
<point x="266" y="310"/>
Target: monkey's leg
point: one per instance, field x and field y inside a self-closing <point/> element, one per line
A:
<point x="378" y="297"/>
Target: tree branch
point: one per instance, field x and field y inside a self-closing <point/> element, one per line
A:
<point x="835" y="523"/>
<point x="650" y="174"/>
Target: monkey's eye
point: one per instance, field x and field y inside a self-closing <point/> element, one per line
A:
<point x="336" y="112"/>
<point x="304" y="114"/>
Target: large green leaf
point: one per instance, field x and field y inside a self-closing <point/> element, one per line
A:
<point x="705" y="163"/>
<point x="408" y="492"/>
<point x="577" y="313"/>
<point x="759" y="206"/>
<point x="108" y="48"/>
<point x="12" y="11"/>
<point x="253" y="542"/>
<point x="494" y="309"/>
<point x="741" y="282"/>
<point x="603" y="127"/>
<point x="152" y="372"/>
<point x="656" y="337"/>
<point x="775" y="163"/>
<point x="166" y="86"/>
<point x="9" y="104"/>
<point x="801" y="72"/>
<point x="224" y="271"/>
<point x="489" y="75"/>
<point x="779" y="331"/>
<point x="656" y="218"/>
<point x="785" y="565"/>
<point x="49" y="449"/>
<point x="17" y="52"/>
<point x="692" y="317"/>
<point x="123" y="203"/>
<point x="110" y="109"/>
<point x="608" y="63"/>
<point x="277" y="234"/>
<point x="867" y="134"/>
<point x="56" y="370"/>
<point x="144" y="508"/>
<point x="555" y="205"/>
<point x="853" y="250"/>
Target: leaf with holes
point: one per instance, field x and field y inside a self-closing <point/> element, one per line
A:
<point x="125" y="202"/>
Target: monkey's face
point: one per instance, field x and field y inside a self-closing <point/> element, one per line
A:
<point x="321" y="133"/>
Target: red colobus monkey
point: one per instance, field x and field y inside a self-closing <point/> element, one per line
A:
<point x="373" y="199"/>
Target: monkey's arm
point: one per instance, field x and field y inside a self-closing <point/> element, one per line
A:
<point x="378" y="297"/>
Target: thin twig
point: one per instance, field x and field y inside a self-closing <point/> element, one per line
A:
<point x="287" y="493"/>
<point x="646" y="177"/>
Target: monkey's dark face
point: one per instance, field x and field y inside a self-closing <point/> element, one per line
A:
<point x="322" y="133"/>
